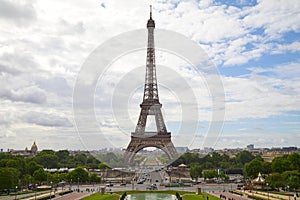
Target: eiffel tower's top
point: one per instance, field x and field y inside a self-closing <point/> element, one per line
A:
<point x="151" y="22"/>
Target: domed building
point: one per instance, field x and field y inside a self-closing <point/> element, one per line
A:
<point x="34" y="149"/>
<point x="26" y="153"/>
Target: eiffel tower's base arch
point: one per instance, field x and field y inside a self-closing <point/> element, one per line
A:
<point x="162" y="142"/>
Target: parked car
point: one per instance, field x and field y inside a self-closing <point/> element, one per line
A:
<point x="152" y="187"/>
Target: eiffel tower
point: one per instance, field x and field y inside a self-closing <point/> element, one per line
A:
<point x="150" y="106"/>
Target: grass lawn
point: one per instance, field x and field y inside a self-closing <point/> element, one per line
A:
<point x="198" y="197"/>
<point x="99" y="196"/>
<point x="185" y="195"/>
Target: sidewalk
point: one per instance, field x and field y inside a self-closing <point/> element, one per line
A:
<point x="265" y="195"/>
<point x="37" y="196"/>
<point x="229" y="195"/>
<point x="73" y="196"/>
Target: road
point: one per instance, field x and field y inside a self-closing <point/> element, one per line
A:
<point x="209" y="188"/>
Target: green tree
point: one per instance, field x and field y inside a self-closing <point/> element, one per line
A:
<point x="294" y="160"/>
<point x="78" y="174"/>
<point x="40" y="175"/>
<point x="244" y="157"/>
<point x="209" y="174"/>
<point x="207" y="165"/>
<point x="275" y="180"/>
<point x="280" y="164"/>
<point x="266" y="168"/>
<point x="253" y="168"/>
<point x="186" y="158"/>
<point x="27" y="179"/>
<point x="103" y="166"/>
<point x="9" y="178"/>
<point x="292" y="178"/>
<point x="32" y="166"/>
<point x="47" y="151"/>
<point x="94" y="178"/>
<point x="47" y="160"/>
<point x="80" y="159"/>
<point x="54" y="178"/>
<point x="223" y="176"/>
<point x="18" y="163"/>
<point x="64" y="177"/>
<point x="62" y="155"/>
<point x="195" y="171"/>
<point x="92" y="162"/>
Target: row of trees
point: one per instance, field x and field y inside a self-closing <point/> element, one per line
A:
<point x="282" y="171"/>
<point x="20" y="171"/>
<point x="196" y="172"/>
<point x="216" y="160"/>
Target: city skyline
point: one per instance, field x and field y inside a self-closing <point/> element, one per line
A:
<point x="254" y="45"/>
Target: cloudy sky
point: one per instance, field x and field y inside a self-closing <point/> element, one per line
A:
<point x="255" y="45"/>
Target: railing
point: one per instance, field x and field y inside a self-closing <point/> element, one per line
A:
<point x="149" y="134"/>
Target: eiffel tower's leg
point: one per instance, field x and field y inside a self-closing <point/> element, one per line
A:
<point x="131" y="151"/>
<point x="160" y="125"/>
<point x="171" y="151"/>
<point x="141" y="125"/>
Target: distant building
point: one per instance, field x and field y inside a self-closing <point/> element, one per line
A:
<point x="182" y="149"/>
<point x="208" y="150"/>
<point x="26" y="153"/>
<point x="268" y="156"/>
<point x="250" y="147"/>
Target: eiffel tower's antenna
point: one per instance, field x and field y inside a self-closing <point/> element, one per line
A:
<point x="150" y="11"/>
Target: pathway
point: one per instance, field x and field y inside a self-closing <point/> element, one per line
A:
<point x="73" y="196"/>
<point x="272" y="196"/>
<point x="229" y="195"/>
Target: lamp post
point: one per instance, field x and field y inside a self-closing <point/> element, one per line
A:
<point x="268" y="190"/>
<point x="35" y="191"/>
<point x="62" y="185"/>
<point x="16" y="192"/>
<point x="78" y="184"/>
<point x="288" y="191"/>
<point x="50" y="189"/>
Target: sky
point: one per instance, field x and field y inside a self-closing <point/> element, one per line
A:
<point x="253" y="45"/>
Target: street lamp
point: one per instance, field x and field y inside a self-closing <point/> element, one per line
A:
<point x="78" y="184"/>
<point x="62" y="185"/>
<point x="288" y="191"/>
<point x="50" y="189"/>
<point x="268" y="190"/>
<point x="132" y="183"/>
<point x="35" y="191"/>
<point x="16" y="192"/>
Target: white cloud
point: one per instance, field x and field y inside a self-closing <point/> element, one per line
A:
<point x="44" y="43"/>
<point x="22" y="13"/>
<point x="262" y="96"/>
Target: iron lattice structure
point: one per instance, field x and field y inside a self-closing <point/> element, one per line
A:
<point x="150" y="106"/>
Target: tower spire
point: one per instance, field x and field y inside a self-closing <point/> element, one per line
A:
<point x="151" y="22"/>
